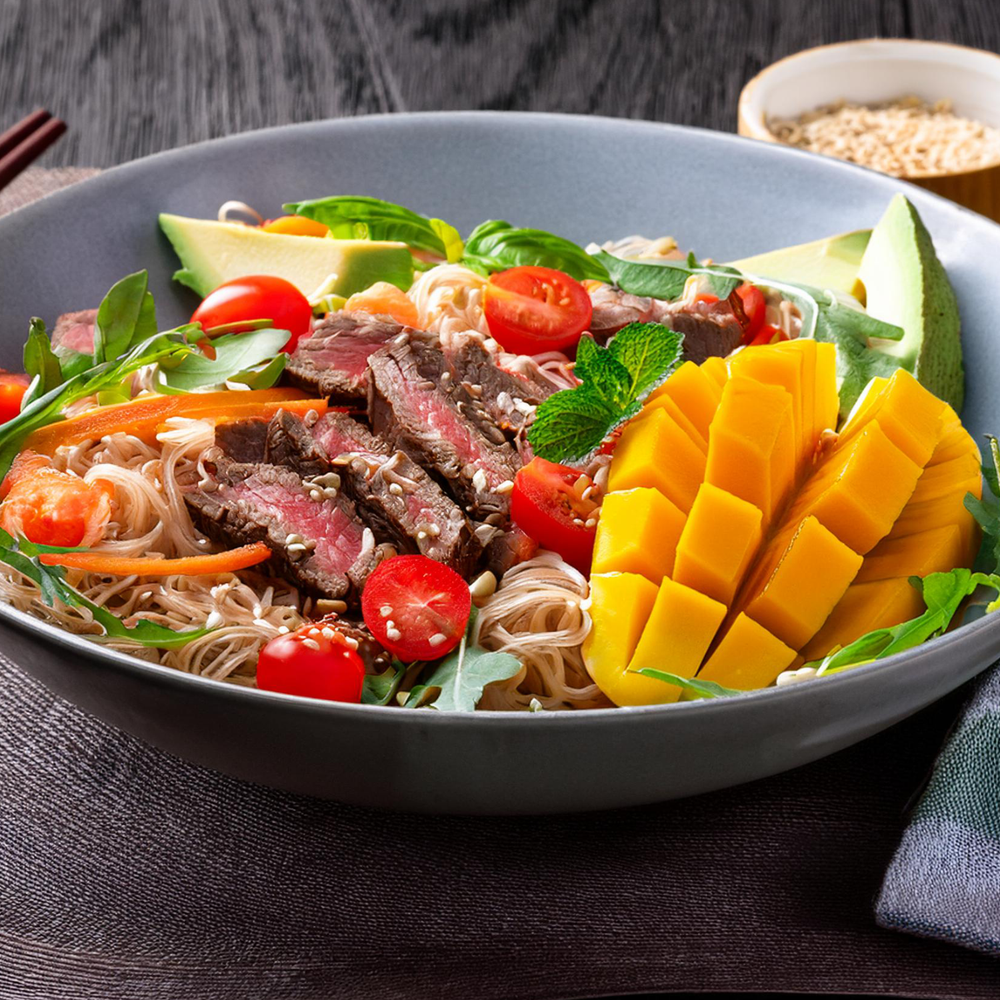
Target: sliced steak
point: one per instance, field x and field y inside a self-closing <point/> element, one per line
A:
<point x="442" y="426"/>
<point x="614" y="309"/>
<point x="710" y="329"/>
<point x="320" y="545"/>
<point x="333" y="360"/>
<point x="75" y="331"/>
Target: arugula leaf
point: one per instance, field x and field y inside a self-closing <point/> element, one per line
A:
<point x="572" y="423"/>
<point x="22" y="555"/>
<point x="380" y="689"/>
<point x="125" y="317"/>
<point x="987" y="511"/>
<point x="40" y="362"/>
<point x="701" y="689"/>
<point x="943" y="594"/>
<point x="237" y="355"/>
<point x="496" y="245"/>
<point x="360" y="217"/>
<point x="462" y="675"/>
<point x="48" y="408"/>
<point x="665" y="279"/>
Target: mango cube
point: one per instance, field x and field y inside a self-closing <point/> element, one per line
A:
<point x="955" y="440"/>
<point x="677" y="635"/>
<point x="957" y="476"/>
<point x="782" y="368"/>
<point x="748" y="657"/>
<point x="721" y="536"/>
<point x="637" y="533"/>
<point x="695" y="392"/>
<point x="666" y="402"/>
<point x="932" y="551"/>
<point x="716" y="369"/>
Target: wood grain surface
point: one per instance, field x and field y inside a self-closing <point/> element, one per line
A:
<point x="135" y="76"/>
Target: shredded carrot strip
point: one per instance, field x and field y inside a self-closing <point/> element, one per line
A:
<point x="218" y="562"/>
<point x="144" y="416"/>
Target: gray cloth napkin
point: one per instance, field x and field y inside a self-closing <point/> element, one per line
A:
<point x="944" y="881"/>
<point x="126" y="873"/>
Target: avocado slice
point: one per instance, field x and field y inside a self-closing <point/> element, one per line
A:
<point x="829" y="263"/>
<point x="907" y="285"/>
<point x="215" y="252"/>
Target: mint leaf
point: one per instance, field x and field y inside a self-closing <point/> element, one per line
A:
<point x="609" y="379"/>
<point x="496" y="245"/>
<point x="571" y="424"/>
<point x="665" y="279"/>
<point x="22" y="555"/>
<point x="702" y="689"/>
<point x="649" y="351"/>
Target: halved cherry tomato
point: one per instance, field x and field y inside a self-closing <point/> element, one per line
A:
<point x="315" y="661"/>
<point x="295" y="225"/>
<point x="258" y="296"/>
<point x="768" y="335"/>
<point x="547" y="504"/>
<point x="415" y="607"/>
<point x="708" y="298"/>
<point x="384" y="299"/>
<point x="52" y="507"/>
<point x="12" y="390"/>
<point x="755" y="308"/>
<point x="532" y="309"/>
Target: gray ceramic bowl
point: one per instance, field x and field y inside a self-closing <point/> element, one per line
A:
<point x="587" y="178"/>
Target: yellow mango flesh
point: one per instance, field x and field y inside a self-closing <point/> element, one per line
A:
<point x="677" y="635"/>
<point x="637" y="533"/>
<point x="657" y="453"/>
<point x="748" y="657"/>
<point x="721" y="536"/>
<point x="781" y="542"/>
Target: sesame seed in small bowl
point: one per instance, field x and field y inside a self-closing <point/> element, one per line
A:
<point x="928" y="112"/>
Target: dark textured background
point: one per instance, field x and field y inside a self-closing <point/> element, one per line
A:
<point x="772" y="890"/>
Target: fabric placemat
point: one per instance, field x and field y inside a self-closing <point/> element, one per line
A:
<point x="125" y="872"/>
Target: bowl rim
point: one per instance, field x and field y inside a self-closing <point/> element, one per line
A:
<point x="759" y="129"/>
<point x="156" y="673"/>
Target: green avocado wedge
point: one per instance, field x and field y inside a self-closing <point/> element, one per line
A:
<point x="828" y="263"/>
<point x="906" y="285"/>
<point x="215" y="252"/>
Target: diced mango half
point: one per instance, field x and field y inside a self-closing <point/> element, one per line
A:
<point x="721" y="536"/>
<point x="637" y="533"/>
<point x="657" y="453"/>
<point x="748" y="657"/>
<point x="864" y="608"/>
<point x="677" y="635"/>
<point x="732" y="564"/>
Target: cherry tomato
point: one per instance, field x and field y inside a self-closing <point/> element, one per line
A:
<point x="259" y="296"/>
<point x="547" y="504"/>
<point x="52" y="507"/>
<point x="295" y="225"/>
<point x="708" y="298"/>
<point x="315" y="661"/>
<point x="530" y="310"/>
<point x="12" y="390"/>
<point x="768" y="335"/>
<point x="415" y="607"/>
<point x="384" y="299"/>
<point x="755" y="308"/>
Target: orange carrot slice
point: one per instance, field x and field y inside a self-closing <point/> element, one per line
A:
<point x="206" y="565"/>
<point x="145" y="415"/>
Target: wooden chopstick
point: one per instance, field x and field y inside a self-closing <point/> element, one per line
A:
<point x="24" y="142"/>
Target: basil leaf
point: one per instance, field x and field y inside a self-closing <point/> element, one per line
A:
<point x="702" y="689"/>
<point x="235" y="354"/>
<point x="125" y="317"/>
<point x="22" y="555"/>
<point x="462" y="675"/>
<point x="380" y="689"/>
<point x="40" y="362"/>
<point x="360" y="217"/>
<point x="496" y="245"/>
<point x="665" y="279"/>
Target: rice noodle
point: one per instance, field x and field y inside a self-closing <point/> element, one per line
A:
<point x="449" y="298"/>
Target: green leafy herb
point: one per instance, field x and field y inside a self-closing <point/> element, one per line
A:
<point x="461" y="676"/>
<point x="47" y="409"/>
<point x="570" y="424"/>
<point x="125" y="317"/>
<point x="943" y="595"/>
<point x="987" y="511"/>
<point x="238" y="358"/>
<point x="22" y="555"/>
<point x="695" y="687"/>
<point x="666" y="279"/>
<point x="40" y="362"/>
<point x="363" y="218"/>
<point x="496" y="245"/>
<point x="380" y="689"/>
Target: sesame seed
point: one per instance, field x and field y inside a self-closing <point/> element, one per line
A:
<point x="311" y="643"/>
<point x="283" y="630"/>
<point x="437" y="638"/>
<point x="350" y="641"/>
<point x="395" y="489"/>
<point x="393" y="634"/>
<point x="385" y="610"/>
<point x="327" y="632"/>
<point x="214" y="620"/>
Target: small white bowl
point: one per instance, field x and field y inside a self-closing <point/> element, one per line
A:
<point x="881" y="69"/>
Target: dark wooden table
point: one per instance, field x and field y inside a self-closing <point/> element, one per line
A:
<point x="135" y="76"/>
<point x="132" y="77"/>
